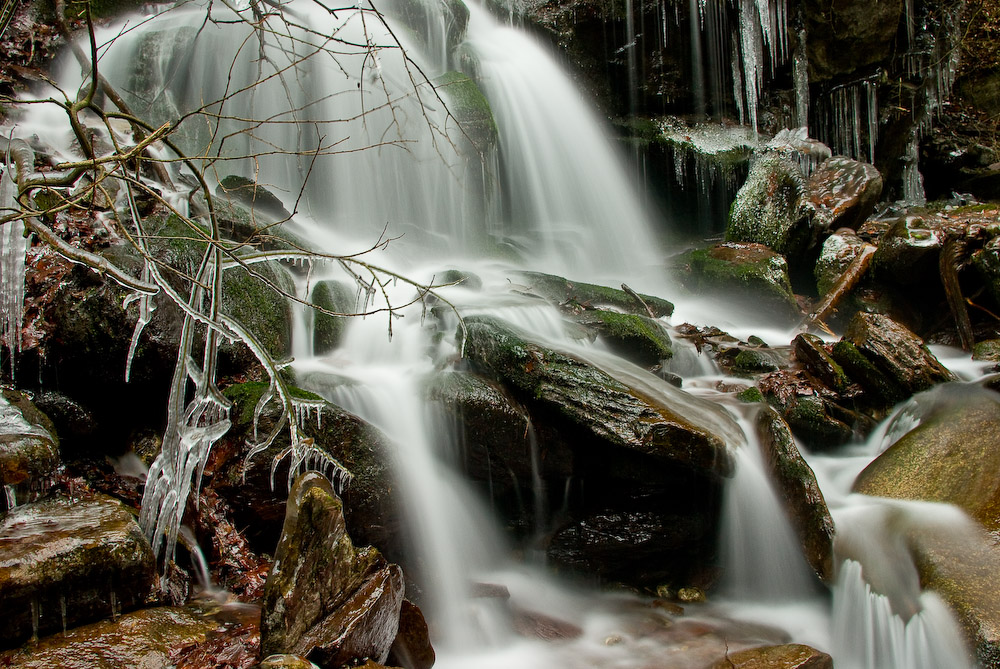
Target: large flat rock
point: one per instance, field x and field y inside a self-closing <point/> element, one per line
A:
<point x="86" y="556"/>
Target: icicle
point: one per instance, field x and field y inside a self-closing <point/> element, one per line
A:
<point x="35" y="613"/>
<point x="800" y="75"/>
<point x="62" y="612"/>
<point x="11" y="496"/>
<point x="13" y="246"/>
<point x="114" y="605"/>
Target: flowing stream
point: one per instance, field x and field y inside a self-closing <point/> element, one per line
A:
<point x="554" y="198"/>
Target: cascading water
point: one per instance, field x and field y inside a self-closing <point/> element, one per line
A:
<point x="568" y="206"/>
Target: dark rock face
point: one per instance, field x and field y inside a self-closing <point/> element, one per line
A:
<point x="797" y="486"/>
<point x="642" y="500"/>
<point x="324" y="599"/>
<point x="88" y="553"/>
<point x="847" y="35"/>
<point x="146" y="638"/>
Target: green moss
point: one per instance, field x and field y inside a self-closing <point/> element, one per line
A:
<point x="752" y="361"/>
<point x="987" y="350"/>
<point x="750" y="395"/>
<point x="258" y="307"/>
<point x="639" y="334"/>
<point x="245" y="396"/>
<point x="468" y="104"/>
<point x="743" y="271"/>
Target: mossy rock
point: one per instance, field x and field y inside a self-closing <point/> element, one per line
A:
<point x="742" y="272"/>
<point x="950" y="457"/>
<point x="987" y="350"/>
<point x="881" y="391"/>
<point x="837" y="253"/>
<point x="262" y="310"/>
<point x="468" y="104"/>
<point x="770" y="209"/>
<point x="812" y="354"/>
<point x="253" y="196"/>
<point x="641" y="339"/>
<point x="29" y="448"/>
<point x="592" y="403"/>
<point x="328" y="330"/>
<point x="580" y="295"/>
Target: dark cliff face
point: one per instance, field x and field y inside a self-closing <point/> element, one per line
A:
<point x="880" y="75"/>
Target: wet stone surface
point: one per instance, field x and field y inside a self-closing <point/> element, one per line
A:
<point x="66" y="561"/>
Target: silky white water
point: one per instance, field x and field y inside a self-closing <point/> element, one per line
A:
<point x="380" y="154"/>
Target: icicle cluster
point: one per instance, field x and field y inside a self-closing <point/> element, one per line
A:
<point x="13" y="246"/>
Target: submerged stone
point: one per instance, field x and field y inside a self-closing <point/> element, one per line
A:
<point x="67" y="561"/>
<point x="789" y="656"/>
<point x="324" y="599"/>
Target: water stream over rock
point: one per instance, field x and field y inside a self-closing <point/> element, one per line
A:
<point x="547" y="193"/>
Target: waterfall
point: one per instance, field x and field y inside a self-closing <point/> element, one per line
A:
<point x="356" y="116"/>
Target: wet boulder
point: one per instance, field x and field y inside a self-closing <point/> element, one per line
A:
<point x="254" y="197"/>
<point x="412" y="646"/>
<point x="797" y="487"/>
<point x="815" y="418"/>
<point x="576" y="295"/>
<point x="641" y="339"/>
<point x="908" y="251"/>
<point x="371" y="505"/>
<point x="843" y="193"/>
<point x="592" y="402"/>
<point x="637" y="480"/>
<point x="29" y="449"/>
<point x="745" y="272"/>
<point x="496" y="435"/>
<point x="68" y="561"/>
<point x="148" y="638"/>
<point x="325" y="599"/>
<point x="771" y="208"/>
<point x="950" y="457"/>
<point x="961" y="564"/>
<point x="328" y="329"/>
<point x="788" y="656"/>
<point x="896" y="352"/>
